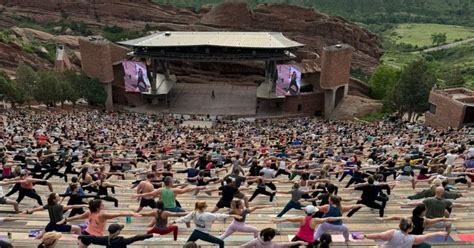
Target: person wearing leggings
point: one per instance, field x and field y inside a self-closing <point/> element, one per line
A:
<point x="334" y="209"/>
<point x="160" y="223"/>
<point x="261" y="185"/>
<point x="76" y="197"/>
<point x="296" y="194"/>
<point x="203" y="222"/>
<point x="238" y="225"/>
<point x="102" y="192"/>
<point x="370" y="193"/>
<point x="26" y="188"/>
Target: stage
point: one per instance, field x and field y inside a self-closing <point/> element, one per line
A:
<point x="230" y="100"/>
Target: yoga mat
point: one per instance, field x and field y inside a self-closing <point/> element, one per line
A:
<point x="466" y="237"/>
<point x="239" y="238"/>
<point x="288" y="225"/>
<point x="438" y="239"/>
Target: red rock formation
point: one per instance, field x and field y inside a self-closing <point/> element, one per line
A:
<point x="11" y="55"/>
<point x="302" y="24"/>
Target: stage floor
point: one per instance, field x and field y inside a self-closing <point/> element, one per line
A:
<point x="189" y="98"/>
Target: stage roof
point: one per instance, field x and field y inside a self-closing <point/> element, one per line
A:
<point x="262" y="40"/>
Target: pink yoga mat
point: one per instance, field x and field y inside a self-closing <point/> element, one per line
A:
<point x="466" y="237"/>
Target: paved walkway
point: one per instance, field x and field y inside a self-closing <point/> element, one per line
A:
<point x="447" y="46"/>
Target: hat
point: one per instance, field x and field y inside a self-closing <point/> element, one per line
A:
<point x="310" y="209"/>
<point x="115" y="228"/>
<point x="23" y="172"/>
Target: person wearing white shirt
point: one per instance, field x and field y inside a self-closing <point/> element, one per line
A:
<point x="450" y="158"/>
<point x="203" y="222"/>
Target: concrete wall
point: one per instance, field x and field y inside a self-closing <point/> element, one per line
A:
<point x="449" y="113"/>
<point x="310" y="103"/>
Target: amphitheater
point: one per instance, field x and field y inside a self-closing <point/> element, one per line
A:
<point x="364" y="221"/>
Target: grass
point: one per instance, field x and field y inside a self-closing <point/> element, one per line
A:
<point x="420" y="34"/>
<point x="399" y="59"/>
<point x="374" y="116"/>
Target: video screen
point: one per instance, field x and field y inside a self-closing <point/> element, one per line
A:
<point x="289" y="80"/>
<point x="136" y="79"/>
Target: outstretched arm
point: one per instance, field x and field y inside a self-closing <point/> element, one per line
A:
<point x="30" y="211"/>
<point x="74" y="206"/>
<point x="289" y="219"/>
<point x="421" y="238"/>
<point x="386" y="236"/>
<point x="259" y="207"/>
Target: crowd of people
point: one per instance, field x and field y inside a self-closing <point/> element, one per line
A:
<point x="93" y="150"/>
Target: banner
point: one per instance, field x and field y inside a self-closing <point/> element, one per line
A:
<point x="136" y="79"/>
<point x="289" y="80"/>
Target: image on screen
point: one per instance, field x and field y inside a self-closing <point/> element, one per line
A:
<point x="136" y="79"/>
<point x="288" y="81"/>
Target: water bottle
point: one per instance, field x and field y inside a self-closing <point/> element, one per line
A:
<point x="128" y="219"/>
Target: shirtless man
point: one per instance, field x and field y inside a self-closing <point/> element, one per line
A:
<point x="146" y="187"/>
<point x="168" y="194"/>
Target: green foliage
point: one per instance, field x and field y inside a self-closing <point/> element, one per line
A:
<point x="27" y="47"/>
<point x="458" y="59"/>
<point x="26" y="80"/>
<point x="9" y="91"/>
<point x="375" y="116"/>
<point x="457" y="12"/>
<point x="48" y="90"/>
<point x="438" y="38"/>
<point x="421" y="34"/>
<point x="95" y="93"/>
<point x="5" y="36"/>
<point x="411" y="92"/>
<point x="358" y="73"/>
<point x="382" y="81"/>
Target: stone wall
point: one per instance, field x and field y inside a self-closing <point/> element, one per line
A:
<point x="309" y="104"/>
<point x="449" y="113"/>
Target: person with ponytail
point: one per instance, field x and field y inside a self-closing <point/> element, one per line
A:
<point x="334" y="209"/>
<point x="265" y="241"/>
<point x="55" y="212"/>
<point x="97" y="218"/>
<point x="401" y="238"/>
<point x="307" y="225"/>
<point x="113" y="240"/>
<point x="203" y="221"/>
<point x="325" y="240"/>
<point x="160" y="223"/>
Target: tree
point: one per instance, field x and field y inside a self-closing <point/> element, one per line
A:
<point x="411" y="92"/>
<point x="48" y="90"/>
<point x="438" y="38"/>
<point x="93" y="90"/>
<point x="70" y="86"/>
<point x="26" y="78"/>
<point x="382" y="81"/>
<point x="454" y="79"/>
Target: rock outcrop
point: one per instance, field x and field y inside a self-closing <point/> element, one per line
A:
<point x="301" y="24"/>
<point x="355" y="107"/>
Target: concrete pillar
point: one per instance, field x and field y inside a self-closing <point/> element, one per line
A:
<point x="109" y="103"/>
<point x="329" y="102"/>
<point x="165" y="69"/>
